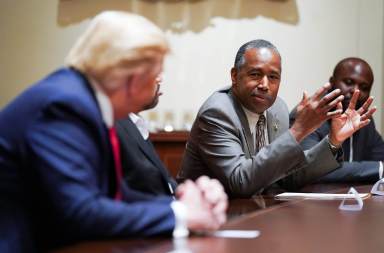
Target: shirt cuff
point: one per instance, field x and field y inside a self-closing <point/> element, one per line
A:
<point x="380" y="170"/>
<point x="180" y="211"/>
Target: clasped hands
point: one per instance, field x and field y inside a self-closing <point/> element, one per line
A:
<point x="206" y="203"/>
<point x="313" y="111"/>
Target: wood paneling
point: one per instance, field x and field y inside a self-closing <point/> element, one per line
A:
<point x="170" y="146"/>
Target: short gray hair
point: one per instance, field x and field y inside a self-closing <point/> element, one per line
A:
<point x="239" y="60"/>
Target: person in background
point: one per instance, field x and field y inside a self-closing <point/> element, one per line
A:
<point x="60" y="173"/>
<point x="241" y="135"/>
<point x="143" y="169"/>
<point x="364" y="150"/>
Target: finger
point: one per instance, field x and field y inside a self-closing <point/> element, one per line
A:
<point x="363" y="123"/>
<point x="328" y="103"/>
<point x="202" y="182"/>
<point x="368" y="114"/>
<point x="221" y="218"/>
<point x="180" y="190"/>
<point x="365" y="106"/>
<point x="215" y="193"/>
<point x="355" y="96"/>
<point x="216" y="183"/>
<point x="334" y="113"/>
<point x="322" y="91"/>
<point x="207" y="184"/>
<point x="213" y="196"/>
<point x="303" y="101"/>
<point x="339" y="106"/>
<point x="221" y="207"/>
<point x="186" y="187"/>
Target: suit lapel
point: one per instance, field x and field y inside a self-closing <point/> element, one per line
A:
<point x="273" y="126"/>
<point x="145" y="146"/>
<point x="244" y="124"/>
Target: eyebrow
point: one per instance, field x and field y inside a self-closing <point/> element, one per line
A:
<point x="252" y="69"/>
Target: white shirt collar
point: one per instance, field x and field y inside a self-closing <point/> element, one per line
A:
<point x="253" y="117"/>
<point x="141" y="124"/>
<point x="104" y="103"/>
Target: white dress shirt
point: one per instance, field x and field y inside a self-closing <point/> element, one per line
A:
<point x="141" y="124"/>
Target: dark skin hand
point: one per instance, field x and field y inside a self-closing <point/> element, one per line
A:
<point x="313" y="111"/>
<point x="344" y="125"/>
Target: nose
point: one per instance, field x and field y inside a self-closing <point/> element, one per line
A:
<point x="264" y="83"/>
<point x="353" y="88"/>
<point x="159" y="79"/>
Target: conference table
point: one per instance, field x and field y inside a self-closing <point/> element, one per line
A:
<point x="285" y="226"/>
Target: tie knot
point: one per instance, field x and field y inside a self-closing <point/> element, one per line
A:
<point x="261" y="121"/>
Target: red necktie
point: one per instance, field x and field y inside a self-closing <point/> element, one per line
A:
<point x="117" y="161"/>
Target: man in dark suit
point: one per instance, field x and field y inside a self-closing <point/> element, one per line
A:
<point x="364" y="150"/>
<point x="60" y="173"/>
<point x="143" y="169"/>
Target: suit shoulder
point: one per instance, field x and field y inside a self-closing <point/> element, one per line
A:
<point x="218" y="101"/>
<point x="279" y="102"/>
<point x="279" y="107"/>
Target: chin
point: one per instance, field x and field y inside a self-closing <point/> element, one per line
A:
<point x="151" y="105"/>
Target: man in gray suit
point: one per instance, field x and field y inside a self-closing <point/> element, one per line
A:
<point x="241" y="135"/>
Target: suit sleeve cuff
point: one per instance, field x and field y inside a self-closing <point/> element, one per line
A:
<point x="180" y="211"/>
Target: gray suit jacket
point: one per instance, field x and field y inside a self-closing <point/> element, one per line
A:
<point x="221" y="146"/>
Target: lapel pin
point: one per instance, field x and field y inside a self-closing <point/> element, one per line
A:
<point x="275" y="126"/>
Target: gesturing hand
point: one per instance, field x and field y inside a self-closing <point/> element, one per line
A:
<point x="344" y="125"/>
<point x="315" y="110"/>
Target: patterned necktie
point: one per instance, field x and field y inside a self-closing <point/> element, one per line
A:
<point x="117" y="161"/>
<point x="260" y="133"/>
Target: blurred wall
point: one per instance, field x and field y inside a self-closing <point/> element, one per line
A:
<point x="312" y="37"/>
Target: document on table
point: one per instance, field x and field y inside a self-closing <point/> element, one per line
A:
<point x="245" y="234"/>
<point x="318" y="196"/>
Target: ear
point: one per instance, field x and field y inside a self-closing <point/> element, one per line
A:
<point x="332" y="81"/>
<point x="233" y="76"/>
<point x="131" y="85"/>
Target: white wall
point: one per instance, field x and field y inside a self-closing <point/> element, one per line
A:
<point x="311" y="36"/>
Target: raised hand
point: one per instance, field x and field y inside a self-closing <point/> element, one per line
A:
<point x="344" y="125"/>
<point x="315" y="110"/>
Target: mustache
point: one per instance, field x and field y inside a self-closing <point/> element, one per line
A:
<point x="256" y="92"/>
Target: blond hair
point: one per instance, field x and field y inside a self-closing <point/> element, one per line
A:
<point x="117" y="38"/>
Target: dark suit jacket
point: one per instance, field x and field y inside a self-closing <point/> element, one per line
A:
<point x="56" y="172"/>
<point x="220" y="145"/>
<point x="368" y="149"/>
<point x="143" y="169"/>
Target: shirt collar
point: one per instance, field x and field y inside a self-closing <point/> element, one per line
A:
<point x="141" y="125"/>
<point x="252" y="116"/>
<point x="103" y="102"/>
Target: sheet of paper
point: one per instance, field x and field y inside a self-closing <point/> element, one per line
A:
<point x="248" y="234"/>
<point x="318" y="196"/>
